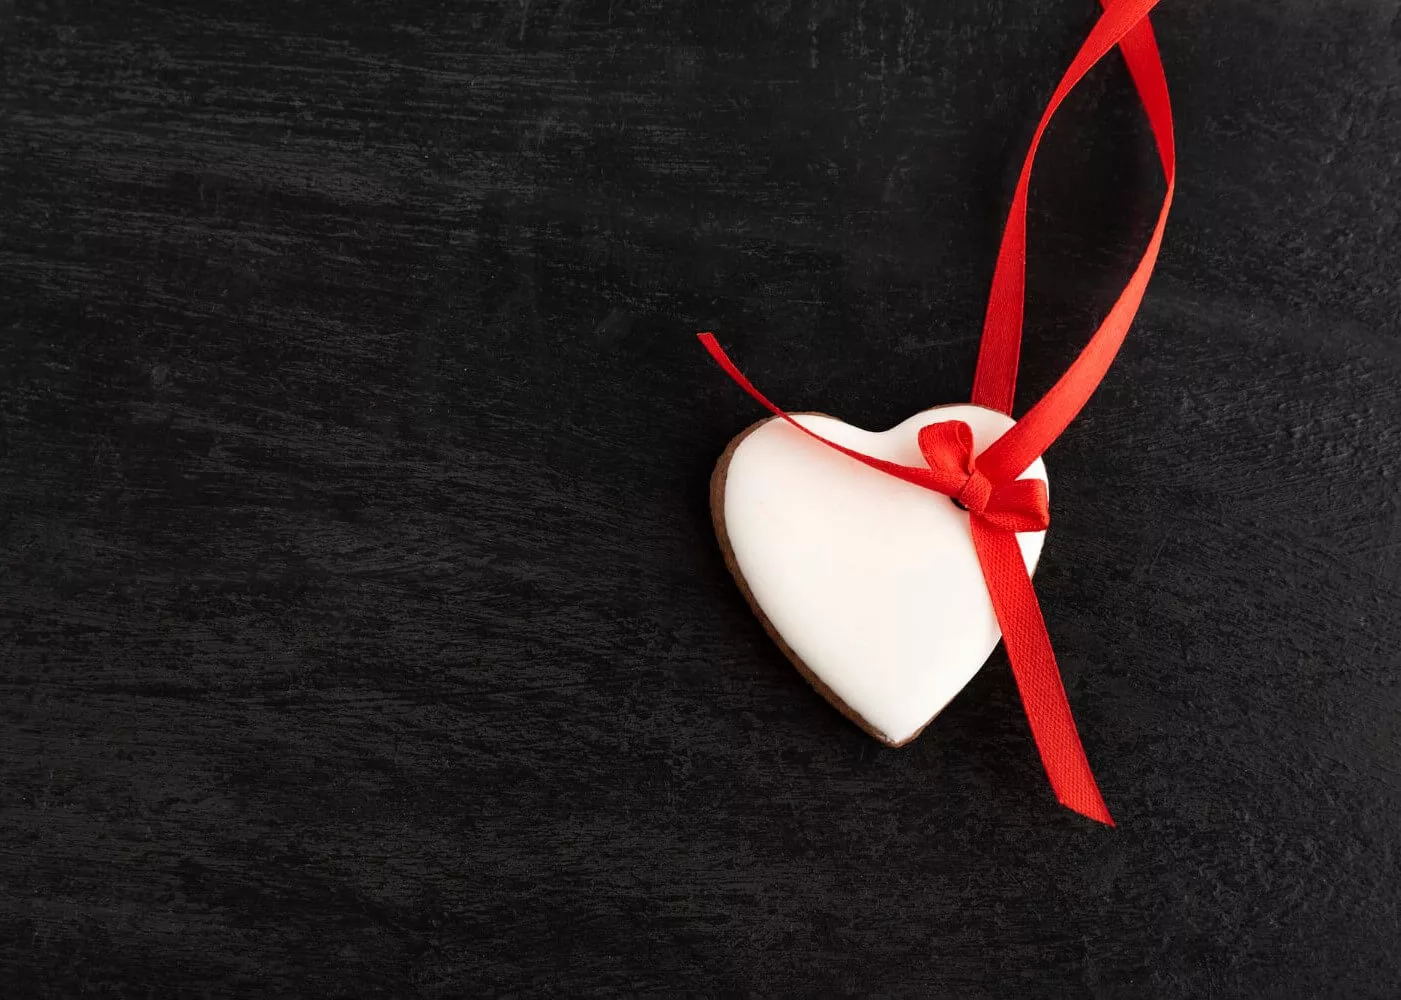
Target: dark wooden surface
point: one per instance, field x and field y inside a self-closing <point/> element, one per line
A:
<point x="363" y="633"/>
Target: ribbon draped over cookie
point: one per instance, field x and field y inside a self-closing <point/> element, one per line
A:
<point x="989" y="485"/>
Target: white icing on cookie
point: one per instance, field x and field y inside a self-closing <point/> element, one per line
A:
<point x="871" y="581"/>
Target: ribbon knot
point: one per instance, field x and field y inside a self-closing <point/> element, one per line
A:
<point x="1005" y="504"/>
<point x="976" y="493"/>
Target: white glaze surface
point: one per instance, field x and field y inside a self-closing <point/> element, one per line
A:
<point x="873" y="582"/>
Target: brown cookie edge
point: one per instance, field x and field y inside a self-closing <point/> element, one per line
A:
<point x="717" y="517"/>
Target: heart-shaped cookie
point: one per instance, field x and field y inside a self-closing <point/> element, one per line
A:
<point x="869" y="584"/>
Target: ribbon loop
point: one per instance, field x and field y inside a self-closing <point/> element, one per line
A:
<point x="947" y="447"/>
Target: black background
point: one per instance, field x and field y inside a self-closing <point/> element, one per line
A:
<point x="363" y="631"/>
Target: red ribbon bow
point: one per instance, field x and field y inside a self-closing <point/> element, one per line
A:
<point x="1007" y="505"/>
<point x="988" y="486"/>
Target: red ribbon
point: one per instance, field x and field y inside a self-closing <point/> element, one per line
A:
<point x="986" y="485"/>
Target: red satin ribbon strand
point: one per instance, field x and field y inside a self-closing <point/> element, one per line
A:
<point x="1037" y="675"/>
<point x="999" y="503"/>
<point x="932" y="479"/>
<point x="994" y="384"/>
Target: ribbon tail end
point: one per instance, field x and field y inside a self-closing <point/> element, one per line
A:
<point x="1094" y="809"/>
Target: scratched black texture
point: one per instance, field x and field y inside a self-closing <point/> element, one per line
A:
<point x="363" y="632"/>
